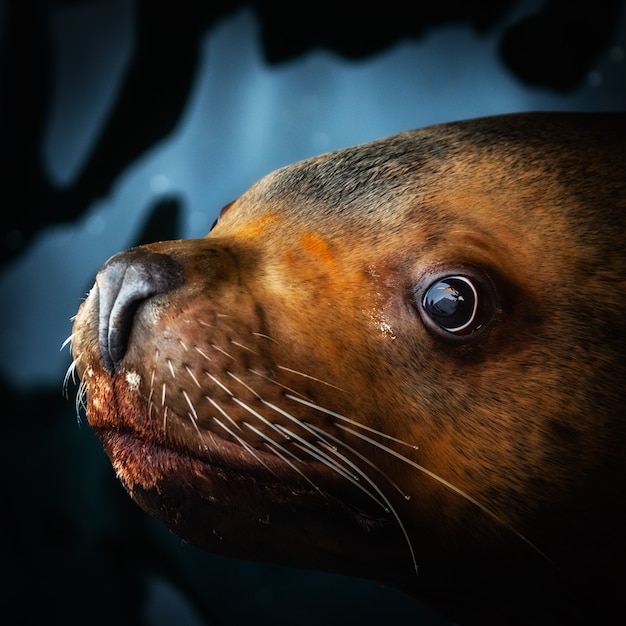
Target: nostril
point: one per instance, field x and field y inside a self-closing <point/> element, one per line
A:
<point x="125" y="281"/>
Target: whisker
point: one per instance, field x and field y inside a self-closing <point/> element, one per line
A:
<point x="66" y="342"/>
<point x="267" y="438"/>
<point x="165" y="412"/>
<point x="69" y="375"/>
<point x="242" y="346"/>
<point x="324" y="458"/>
<point x="245" y="445"/>
<point x="295" y="420"/>
<point x="494" y="516"/>
<point x="317" y="407"/>
<point x="219" y="383"/>
<point x="246" y="386"/>
<point x="223" y="412"/>
<point x="258" y="416"/>
<point x="194" y="418"/>
<point x="152" y="375"/>
<point x="263" y="336"/>
<point x="81" y="395"/>
<point x="274" y="382"/>
<point x="202" y="353"/>
<point x="317" y="380"/>
<point x="373" y="465"/>
<point x="230" y="356"/>
<point x="309" y="447"/>
<point x="332" y="464"/>
<point x="388" y="507"/>
<point x="275" y="450"/>
<point x="290" y="435"/>
<point x="193" y="376"/>
<point x="150" y="395"/>
<point x="171" y="368"/>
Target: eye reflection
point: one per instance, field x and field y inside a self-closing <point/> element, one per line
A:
<point x="452" y="303"/>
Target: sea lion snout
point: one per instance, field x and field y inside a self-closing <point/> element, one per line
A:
<point x="125" y="281"/>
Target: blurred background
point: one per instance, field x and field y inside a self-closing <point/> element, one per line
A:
<point x="128" y="121"/>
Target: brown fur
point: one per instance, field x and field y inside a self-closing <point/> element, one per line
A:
<point x="306" y="289"/>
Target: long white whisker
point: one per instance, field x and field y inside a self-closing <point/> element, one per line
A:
<point x="451" y="487"/>
<point x="258" y="416"/>
<point x="363" y="458"/>
<point x="219" y="383"/>
<point x="263" y="336"/>
<point x="274" y="382"/>
<point x="202" y="353"/>
<point x="230" y="356"/>
<point x="317" y="407"/>
<point x="295" y="420"/>
<point x="243" y="346"/>
<point x="308" y="447"/>
<point x="277" y="451"/>
<point x="170" y="365"/>
<point x="69" y="375"/>
<point x="245" y="444"/>
<point x="81" y="395"/>
<point x="317" y="380"/>
<point x="194" y="418"/>
<point x="66" y="342"/>
<point x="165" y="412"/>
<point x="223" y="412"/>
<point x="193" y="376"/>
<point x="388" y="504"/>
<point x="149" y="401"/>
<point x="327" y="460"/>
<point x="268" y="439"/>
<point x="276" y="448"/>
<point x="246" y="386"/>
<point x="332" y="464"/>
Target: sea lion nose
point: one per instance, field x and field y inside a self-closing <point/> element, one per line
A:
<point x="126" y="280"/>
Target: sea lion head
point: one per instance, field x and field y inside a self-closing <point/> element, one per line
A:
<point x="404" y="361"/>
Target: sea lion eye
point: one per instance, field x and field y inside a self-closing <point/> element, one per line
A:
<point x="456" y="306"/>
<point x="452" y="303"/>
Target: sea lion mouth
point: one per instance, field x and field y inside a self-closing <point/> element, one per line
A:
<point x="144" y="459"/>
<point x="230" y="501"/>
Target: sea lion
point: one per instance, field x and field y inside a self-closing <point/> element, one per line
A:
<point x="404" y="361"/>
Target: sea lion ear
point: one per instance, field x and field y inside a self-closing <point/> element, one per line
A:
<point x="222" y="212"/>
<point x="456" y="305"/>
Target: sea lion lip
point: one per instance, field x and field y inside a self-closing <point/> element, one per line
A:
<point x="144" y="462"/>
<point x="221" y="455"/>
<point x="163" y="480"/>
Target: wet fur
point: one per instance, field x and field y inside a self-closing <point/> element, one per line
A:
<point x="287" y="403"/>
